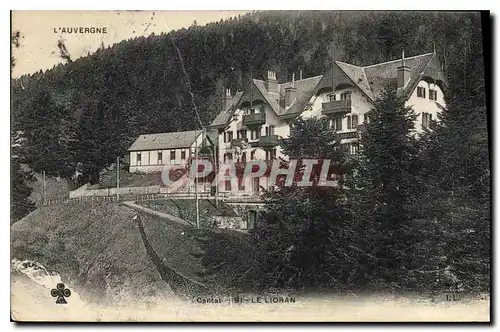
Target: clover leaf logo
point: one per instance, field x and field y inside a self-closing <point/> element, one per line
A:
<point x="60" y="292"/>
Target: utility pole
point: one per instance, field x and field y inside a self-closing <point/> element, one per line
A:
<point x="117" y="179"/>
<point x="216" y="170"/>
<point x="196" y="179"/>
<point x="44" y="189"/>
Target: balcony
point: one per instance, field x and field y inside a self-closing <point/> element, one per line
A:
<point x="336" y="107"/>
<point x="253" y="120"/>
<point x="269" y="141"/>
<point x="238" y="142"/>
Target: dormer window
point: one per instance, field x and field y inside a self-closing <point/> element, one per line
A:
<point x="420" y="92"/>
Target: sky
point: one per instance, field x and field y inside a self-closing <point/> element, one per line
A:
<point x="40" y="31"/>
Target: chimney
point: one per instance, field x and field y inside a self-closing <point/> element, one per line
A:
<point x="227" y="99"/>
<point x="271" y="82"/>
<point x="290" y="95"/>
<point x="403" y="73"/>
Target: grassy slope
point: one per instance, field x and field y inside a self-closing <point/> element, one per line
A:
<point x="95" y="247"/>
<point x="218" y="257"/>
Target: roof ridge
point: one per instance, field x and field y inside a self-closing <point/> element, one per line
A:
<point x="170" y="132"/>
<point x="287" y="82"/>
<point x="349" y="64"/>
<point x="308" y="78"/>
<point x="406" y="58"/>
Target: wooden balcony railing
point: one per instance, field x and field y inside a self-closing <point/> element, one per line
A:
<point x="257" y="119"/>
<point x="336" y="106"/>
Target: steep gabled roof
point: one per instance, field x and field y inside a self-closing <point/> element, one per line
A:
<point x="225" y="115"/>
<point x="370" y="80"/>
<point x="271" y="98"/>
<point x="175" y="140"/>
<point x="380" y="74"/>
<point x="305" y="89"/>
<point x="357" y="75"/>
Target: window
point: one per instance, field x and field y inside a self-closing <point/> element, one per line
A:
<point x="366" y="119"/>
<point x="172" y="156"/>
<point x="242" y="134"/>
<point x="244" y="157"/>
<point x="241" y="184"/>
<point x="160" y="158"/>
<point x="345" y="96"/>
<point x="271" y="154"/>
<point x="255" y="134"/>
<point x="420" y="92"/>
<point x="432" y="94"/>
<point x="183" y="154"/>
<point x="228" y="185"/>
<point x="349" y="122"/>
<point x="228" y="136"/>
<point x="354" y="121"/>
<point x="228" y="156"/>
<point x="338" y="123"/>
<point x="269" y="130"/>
<point x="138" y="158"/>
<point x="426" y="119"/>
<point x="354" y="148"/>
<point x="332" y="97"/>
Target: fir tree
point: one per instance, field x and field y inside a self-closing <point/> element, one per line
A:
<point x="293" y="237"/>
<point x="383" y="190"/>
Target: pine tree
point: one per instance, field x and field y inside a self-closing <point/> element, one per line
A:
<point x="383" y="190"/>
<point x="458" y="195"/>
<point x="20" y="204"/>
<point x="293" y="237"/>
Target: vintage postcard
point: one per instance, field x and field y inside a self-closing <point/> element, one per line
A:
<point x="250" y="166"/>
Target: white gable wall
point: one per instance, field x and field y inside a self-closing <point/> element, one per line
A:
<point x="420" y="104"/>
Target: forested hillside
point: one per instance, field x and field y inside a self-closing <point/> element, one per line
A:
<point x="84" y="113"/>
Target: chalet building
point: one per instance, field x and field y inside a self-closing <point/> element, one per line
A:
<point x="253" y="121"/>
<point x="150" y="153"/>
